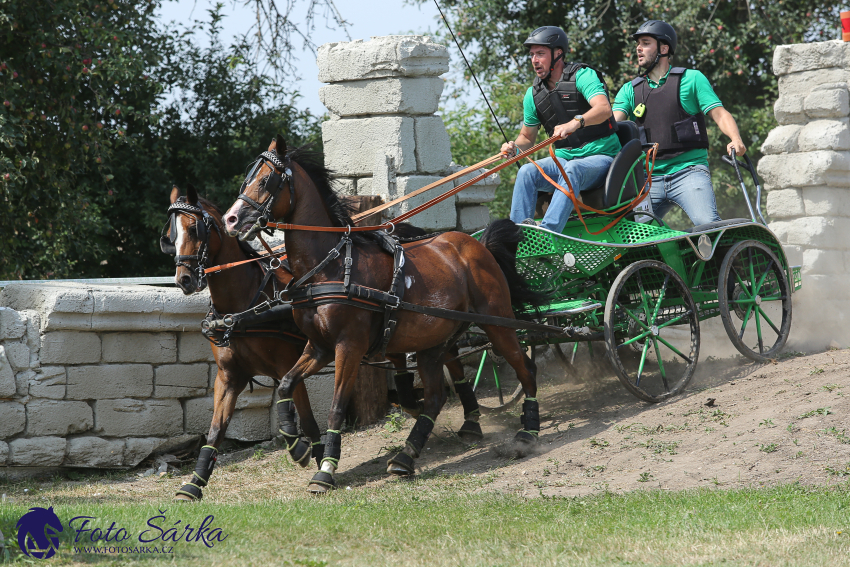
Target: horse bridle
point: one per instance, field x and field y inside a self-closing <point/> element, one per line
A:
<point x="204" y="223"/>
<point x="280" y="175"/>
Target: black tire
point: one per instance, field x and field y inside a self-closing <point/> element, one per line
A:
<point x="493" y="399"/>
<point x="754" y="285"/>
<point x="631" y="312"/>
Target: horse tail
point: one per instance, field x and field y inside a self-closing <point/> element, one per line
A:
<point x="501" y="238"/>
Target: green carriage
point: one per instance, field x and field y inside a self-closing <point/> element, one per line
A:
<point x="643" y="287"/>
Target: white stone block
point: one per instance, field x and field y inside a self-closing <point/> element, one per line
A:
<point x="94" y="452"/>
<point x="805" y="82"/>
<point x="788" y="109"/>
<point x="825" y="135"/>
<point x="181" y="380"/>
<point x="194" y="347"/>
<point x="826" y="201"/>
<point x="250" y="425"/>
<point x="138" y="449"/>
<point x="793" y="254"/>
<point x="4" y="452"/>
<point x="259" y="398"/>
<point x="127" y="418"/>
<point x="807" y="56"/>
<point x="8" y="386"/>
<point x="833" y="103"/>
<point x="22" y="382"/>
<point x="345" y="185"/>
<point x="472" y="218"/>
<point x="820" y="232"/>
<point x="55" y="417"/>
<point x="363" y="186"/>
<point x="419" y="95"/>
<point x="12" y="325"/>
<point x="37" y="452"/>
<point x="824" y="262"/>
<point x="198" y="414"/>
<point x="388" y="56"/>
<point x="320" y="390"/>
<point x="433" y="147"/>
<point x="18" y="355"/>
<point x="780" y="229"/>
<point x="441" y="216"/>
<point x="33" y="335"/>
<point x="69" y="347"/>
<point x="785" y="203"/>
<point x="13" y="419"/>
<point x="351" y="144"/>
<point x="49" y="382"/>
<point x="782" y="140"/>
<point x="109" y="381"/>
<point x="802" y="169"/>
<point x="61" y="305"/>
<point x="155" y="348"/>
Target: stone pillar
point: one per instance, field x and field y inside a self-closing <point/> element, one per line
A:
<point x="383" y="137"/>
<point x="806" y="172"/>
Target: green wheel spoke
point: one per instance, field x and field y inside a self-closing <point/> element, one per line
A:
<point x="769" y="322"/>
<point x="746" y="319"/>
<point x="642" y="293"/>
<point x="674" y="349"/>
<point x="758" y="331"/>
<point x="752" y="270"/>
<point x="642" y="336"/>
<point x="742" y="284"/>
<point x="671" y="321"/>
<point x="633" y="316"/>
<point x="763" y="277"/>
<point x="480" y="369"/>
<point x="660" y="364"/>
<point x="772" y="298"/>
<point x="642" y="362"/>
<point x="660" y="299"/>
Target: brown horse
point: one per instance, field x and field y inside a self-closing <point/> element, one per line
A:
<point x="452" y="271"/>
<point x="201" y="242"/>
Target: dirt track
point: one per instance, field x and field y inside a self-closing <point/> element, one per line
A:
<point x="594" y="437"/>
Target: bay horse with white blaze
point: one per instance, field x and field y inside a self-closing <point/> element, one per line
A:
<point x="451" y="271"/>
<point x="195" y="235"/>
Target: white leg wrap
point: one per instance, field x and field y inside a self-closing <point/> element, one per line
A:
<point x="328" y="467"/>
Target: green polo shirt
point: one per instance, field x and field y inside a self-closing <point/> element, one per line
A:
<point x="589" y="85"/>
<point x="696" y="96"/>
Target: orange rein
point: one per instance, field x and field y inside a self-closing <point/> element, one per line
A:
<point x="578" y="205"/>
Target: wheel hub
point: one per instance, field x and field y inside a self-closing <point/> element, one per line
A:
<point x="758" y="300"/>
<point x="654" y="330"/>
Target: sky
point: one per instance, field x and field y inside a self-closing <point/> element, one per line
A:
<point x="366" y="18"/>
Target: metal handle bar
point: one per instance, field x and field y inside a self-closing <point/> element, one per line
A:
<point x="733" y="161"/>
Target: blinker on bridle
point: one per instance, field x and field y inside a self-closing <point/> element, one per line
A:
<point x="203" y="223"/>
<point x="280" y="175"/>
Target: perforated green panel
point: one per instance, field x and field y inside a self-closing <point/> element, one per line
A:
<point x="628" y="232"/>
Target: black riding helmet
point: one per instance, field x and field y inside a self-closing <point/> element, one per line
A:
<point x="552" y="37"/>
<point x="662" y="32"/>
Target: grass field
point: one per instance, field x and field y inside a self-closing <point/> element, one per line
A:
<point x="445" y="521"/>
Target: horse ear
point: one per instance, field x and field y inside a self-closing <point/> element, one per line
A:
<point x="191" y="194"/>
<point x="175" y="194"/>
<point x="280" y="146"/>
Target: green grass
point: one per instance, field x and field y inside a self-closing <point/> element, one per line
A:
<point x="448" y="522"/>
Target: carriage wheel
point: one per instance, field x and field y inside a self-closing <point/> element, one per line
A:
<point x="496" y="385"/>
<point x="755" y="300"/>
<point x="652" y="359"/>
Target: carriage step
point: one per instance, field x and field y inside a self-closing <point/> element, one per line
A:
<point x="567" y="308"/>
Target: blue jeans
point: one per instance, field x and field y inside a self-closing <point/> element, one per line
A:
<point x="689" y="188"/>
<point x="584" y="173"/>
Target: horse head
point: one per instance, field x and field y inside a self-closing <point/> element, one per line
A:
<point x="188" y="236"/>
<point x="266" y="194"/>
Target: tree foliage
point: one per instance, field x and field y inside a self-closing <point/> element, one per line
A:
<point x="103" y="109"/>
<point x="731" y="41"/>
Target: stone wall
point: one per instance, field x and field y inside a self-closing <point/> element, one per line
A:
<point x="384" y="138"/>
<point x="104" y="376"/>
<point x="806" y="172"/>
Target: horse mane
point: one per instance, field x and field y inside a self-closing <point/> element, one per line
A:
<point x="340" y="212"/>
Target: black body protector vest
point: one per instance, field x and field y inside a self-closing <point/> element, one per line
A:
<point x="563" y="103"/>
<point x="665" y="121"/>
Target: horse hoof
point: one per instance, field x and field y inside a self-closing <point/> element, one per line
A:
<point x="183" y="498"/>
<point x="524" y="443"/>
<point x="188" y="493"/>
<point x="321" y="483"/>
<point x="401" y="465"/>
<point x="470" y="432"/>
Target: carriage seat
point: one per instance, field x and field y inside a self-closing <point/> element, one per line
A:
<point x="607" y="195"/>
<point x="715" y="224"/>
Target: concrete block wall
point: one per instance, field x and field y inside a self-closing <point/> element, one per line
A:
<point x="806" y="173"/>
<point x="104" y="376"/>
<point x="384" y="138"/>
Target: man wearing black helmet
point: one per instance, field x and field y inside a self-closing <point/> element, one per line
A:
<point x="669" y="105"/>
<point x="571" y="102"/>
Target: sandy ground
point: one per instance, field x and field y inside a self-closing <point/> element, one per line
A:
<point x="769" y="424"/>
